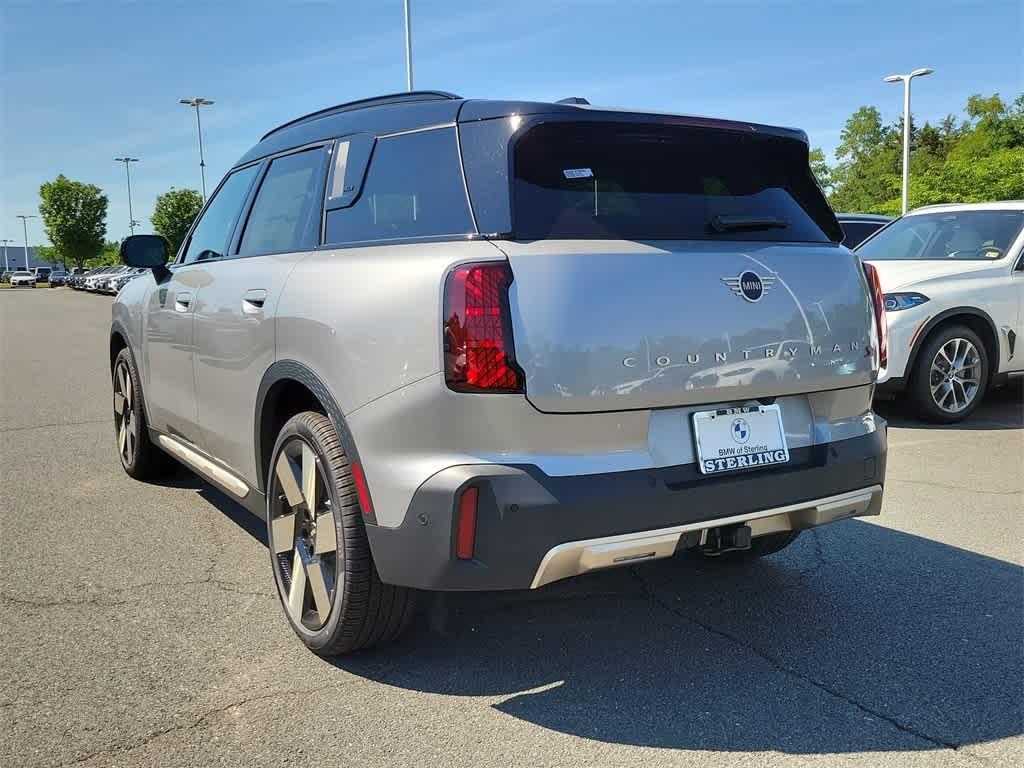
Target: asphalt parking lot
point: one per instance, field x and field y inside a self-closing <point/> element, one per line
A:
<point x="139" y="627"/>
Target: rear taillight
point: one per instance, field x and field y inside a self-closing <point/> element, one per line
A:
<point x="478" y="350"/>
<point x="878" y="299"/>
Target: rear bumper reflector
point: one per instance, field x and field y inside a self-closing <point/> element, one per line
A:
<point x="466" y="531"/>
<point x="362" y="492"/>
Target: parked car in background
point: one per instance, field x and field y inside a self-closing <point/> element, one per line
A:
<point x="5" y="277"/>
<point x="23" y="277"/>
<point x="858" y="227"/>
<point x="76" y="279"/>
<point x="92" y="282"/>
<point x="57" y="277"/>
<point x="122" y="280"/>
<point x="480" y="360"/>
<point x="74" y="275"/>
<point x="953" y="277"/>
<point x="103" y="282"/>
<point x="42" y="274"/>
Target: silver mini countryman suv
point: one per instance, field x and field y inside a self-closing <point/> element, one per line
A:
<point x="452" y="344"/>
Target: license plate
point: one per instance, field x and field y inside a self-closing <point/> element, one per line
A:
<point x="732" y="439"/>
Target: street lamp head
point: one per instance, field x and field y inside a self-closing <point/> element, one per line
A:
<point x="892" y="79"/>
<point x="922" y="72"/>
<point x="126" y="159"/>
<point x="198" y="101"/>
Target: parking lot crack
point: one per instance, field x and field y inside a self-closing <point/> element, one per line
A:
<point x="128" y="595"/>
<point x="194" y="723"/>
<point x="55" y="424"/>
<point x="781" y="666"/>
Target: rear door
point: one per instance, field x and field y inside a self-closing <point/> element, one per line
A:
<point x="657" y="266"/>
<point x="234" y="314"/>
<point x="169" y="321"/>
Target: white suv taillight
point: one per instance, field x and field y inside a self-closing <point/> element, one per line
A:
<point x="878" y="299"/>
<point x="478" y="352"/>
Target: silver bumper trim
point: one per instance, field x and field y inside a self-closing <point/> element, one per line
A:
<point x="576" y="557"/>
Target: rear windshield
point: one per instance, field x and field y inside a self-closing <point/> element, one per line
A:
<point x="653" y="182"/>
<point x="964" y="235"/>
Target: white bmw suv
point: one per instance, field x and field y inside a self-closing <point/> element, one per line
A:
<point x="953" y="277"/>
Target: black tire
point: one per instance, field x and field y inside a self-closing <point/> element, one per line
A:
<point x="760" y="547"/>
<point x="364" y="612"/>
<point x="140" y="458"/>
<point x="919" y="391"/>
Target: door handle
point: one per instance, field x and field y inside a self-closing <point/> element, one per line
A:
<point x="253" y="301"/>
<point x="182" y="302"/>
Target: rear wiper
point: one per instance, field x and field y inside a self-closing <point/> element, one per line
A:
<point x="746" y="223"/>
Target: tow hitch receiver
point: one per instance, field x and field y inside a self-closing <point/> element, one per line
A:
<point x="727" y="539"/>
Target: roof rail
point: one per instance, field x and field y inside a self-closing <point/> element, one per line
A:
<point x="374" y="101"/>
<point x="573" y="100"/>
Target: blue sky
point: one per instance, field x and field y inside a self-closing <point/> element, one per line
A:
<point x="84" y="82"/>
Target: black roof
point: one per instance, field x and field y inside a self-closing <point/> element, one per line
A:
<point x="421" y="109"/>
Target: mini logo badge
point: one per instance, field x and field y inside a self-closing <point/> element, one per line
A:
<point x="740" y="431"/>
<point x="749" y="285"/>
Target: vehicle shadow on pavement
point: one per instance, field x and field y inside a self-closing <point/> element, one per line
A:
<point x="182" y="477"/>
<point x="1002" y="408"/>
<point x="856" y="638"/>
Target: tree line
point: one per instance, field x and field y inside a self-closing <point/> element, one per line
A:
<point x="976" y="158"/>
<point x="74" y="216"/>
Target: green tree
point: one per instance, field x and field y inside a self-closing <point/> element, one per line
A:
<point x="820" y="169"/>
<point x="174" y="213"/>
<point x="109" y="255"/>
<point x="49" y="254"/>
<point x="74" y="216"/>
<point x="973" y="160"/>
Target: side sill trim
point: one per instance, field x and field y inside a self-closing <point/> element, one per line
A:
<point x="215" y="473"/>
<point x="576" y="557"/>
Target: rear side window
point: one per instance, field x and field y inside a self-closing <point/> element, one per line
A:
<point x="209" y="239"/>
<point x="413" y="189"/>
<point x="650" y="182"/>
<point x="286" y="212"/>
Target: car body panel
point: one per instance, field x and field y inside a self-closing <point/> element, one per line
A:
<point x="347" y="312"/>
<point x="613" y="325"/>
<point x="234" y="322"/>
<point x="168" y="351"/>
<point x="410" y="434"/>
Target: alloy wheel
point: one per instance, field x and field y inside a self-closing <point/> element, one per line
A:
<point x="303" y="536"/>
<point x="955" y="375"/>
<point x="124" y="415"/>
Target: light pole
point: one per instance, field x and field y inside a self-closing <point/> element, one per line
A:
<point x="24" y="227"/>
<point x="905" y="79"/>
<point x="198" y="102"/>
<point x="5" y="241"/>
<point x="131" y="216"/>
<point x="408" y="46"/>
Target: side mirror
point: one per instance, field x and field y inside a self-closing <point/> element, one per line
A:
<point x="148" y="251"/>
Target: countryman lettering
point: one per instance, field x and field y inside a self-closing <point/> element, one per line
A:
<point x="785" y="350"/>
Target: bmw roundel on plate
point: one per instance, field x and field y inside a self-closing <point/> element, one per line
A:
<point x="730" y="439"/>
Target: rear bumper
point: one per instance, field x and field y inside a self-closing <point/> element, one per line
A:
<point x="533" y="528"/>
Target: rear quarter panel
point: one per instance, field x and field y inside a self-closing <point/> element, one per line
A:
<point x="367" y="320"/>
